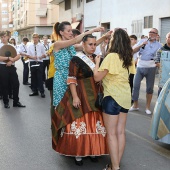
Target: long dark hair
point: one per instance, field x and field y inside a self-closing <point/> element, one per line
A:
<point x="120" y="43"/>
<point x="59" y="27"/>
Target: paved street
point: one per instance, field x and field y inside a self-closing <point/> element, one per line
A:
<point x="25" y="138"/>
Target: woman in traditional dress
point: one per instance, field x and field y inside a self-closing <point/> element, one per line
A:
<point x="63" y="53"/>
<point x="77" y="124"/>
<point x="114" y="71"/>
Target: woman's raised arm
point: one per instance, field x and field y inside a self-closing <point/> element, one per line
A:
<point x="63" y="44"/>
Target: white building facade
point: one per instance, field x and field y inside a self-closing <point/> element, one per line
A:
<point x="33" y="17"/>
<point x="5" y="16"/>
<point x="71" y="11"/>
<point x="136" y="16"/>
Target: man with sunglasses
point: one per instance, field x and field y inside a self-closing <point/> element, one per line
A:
<point x="146" y="67"/>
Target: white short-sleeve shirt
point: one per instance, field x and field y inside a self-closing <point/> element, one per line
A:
<point x="46" y="48"/>
<point x="22" y="48"/>
<point x="36" y="50"/>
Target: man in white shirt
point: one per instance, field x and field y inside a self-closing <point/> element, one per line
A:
<point x="8" y="75"/>
<point x="146" y="67"/>
<point x="24" y="57"/>
<point x="36" y="54"/>
<point x="46" y="60"/>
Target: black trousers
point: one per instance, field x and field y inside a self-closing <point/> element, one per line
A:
<point x="8" y="75"/>
<point x="131" y="77"/>
<point x="25" y="71"/>
<point x="45" y="65"/>
<point x="36" y="77"/>
<point x="0" y="89"/>
<point x="10" y="89"/>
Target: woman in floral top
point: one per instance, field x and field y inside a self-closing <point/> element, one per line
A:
<point x="63" y="53"/>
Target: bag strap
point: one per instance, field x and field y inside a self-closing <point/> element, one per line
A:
<point x="100" y="85"/>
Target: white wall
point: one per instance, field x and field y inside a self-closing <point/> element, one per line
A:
<point x="91" y="13"/>
<point x="122" y="13"/>
<point x="127" y="11"/>
<point x="75" y="9"/>
<point x="64" y="15"/>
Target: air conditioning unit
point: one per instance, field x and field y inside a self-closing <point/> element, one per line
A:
<point x="78" y="17"/>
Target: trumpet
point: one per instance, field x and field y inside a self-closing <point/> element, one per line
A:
<point x="47" y="53"/>
<point x="25" y="58"/>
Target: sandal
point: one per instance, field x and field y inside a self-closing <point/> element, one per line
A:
<point x="117" y="169"/>
<point x="108" y="167"/>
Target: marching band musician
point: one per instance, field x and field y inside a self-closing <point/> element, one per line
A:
<point x="8" y="74"/>
<point x="10" y="88"/>
<point x="36" y="53"/>
<point x="25" y="60"/>
<point x="46" y="60"/>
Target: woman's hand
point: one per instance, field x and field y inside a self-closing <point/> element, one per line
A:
<point x="103" y="46"/>
<point x="108" y="34"/>
<point x="98" y="29"/>
<point x="97" y="59"/>
<point x="76" y="102"/>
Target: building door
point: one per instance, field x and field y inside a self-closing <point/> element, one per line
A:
<point x="106" y="26"/>
<point x="165" y="28"/>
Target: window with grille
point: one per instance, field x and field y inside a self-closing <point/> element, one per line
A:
<point x="4" y="12"/>
<point x="137" y="27"/>
<point x="89" y="1"/>
<point x="4" y="19"/>
<point x="148" y="22"/>
<point x="106" y="26"/>
<point x="4" y="26"/>
<point x="67" y="4"/>
<point x="4" y="5"/>
<point x="78" y="3"/>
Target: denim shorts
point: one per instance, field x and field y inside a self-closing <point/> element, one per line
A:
<point x="111" y="107"/>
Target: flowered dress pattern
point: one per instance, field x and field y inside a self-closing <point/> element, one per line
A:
<point x="61" y="63"/>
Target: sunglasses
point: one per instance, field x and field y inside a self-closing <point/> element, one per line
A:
<point x="151" y="32"/>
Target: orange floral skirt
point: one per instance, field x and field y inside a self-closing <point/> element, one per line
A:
<point x="86" y="136"/>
